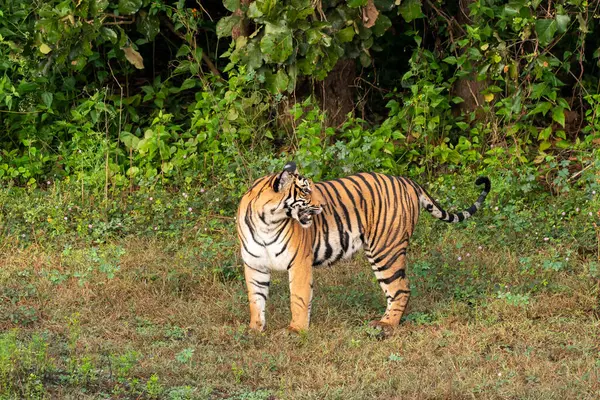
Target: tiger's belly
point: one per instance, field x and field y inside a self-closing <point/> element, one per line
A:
<point x="332" y="247"/>
<point x="274" y="257"/>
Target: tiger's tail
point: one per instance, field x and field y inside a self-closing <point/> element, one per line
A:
<point x="438" y="212"/>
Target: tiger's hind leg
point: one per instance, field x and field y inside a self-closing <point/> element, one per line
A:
<point x="390" y="271"/>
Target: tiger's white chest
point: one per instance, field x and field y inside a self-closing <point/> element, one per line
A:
<point x="266" y="249"/>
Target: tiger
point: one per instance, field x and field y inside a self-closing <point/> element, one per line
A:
<point x="285" y="222"/>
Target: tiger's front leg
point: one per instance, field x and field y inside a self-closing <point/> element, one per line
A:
<point x="301" y="291"/>
<point x="257" y="282"/>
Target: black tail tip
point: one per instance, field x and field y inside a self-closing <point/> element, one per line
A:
<point x="484" y="180"/>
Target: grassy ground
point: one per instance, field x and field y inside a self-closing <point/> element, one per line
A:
<point x="496" y="312"/>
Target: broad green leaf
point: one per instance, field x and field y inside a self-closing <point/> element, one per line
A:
<point x="109" y="34"/>
<point x="562" y="22"/>
<point x="281" y="80"/>
<point x="357" y="3"/>
<point x="47" y="99"/>
<point x="313" y="36"/>
<point x="511" y="10"/>
<point x="450" y="60"/>
<point x="293" y="75"/>
<point x="45" y="49"/>
<point x="128" y="7"/>
<point x="254" y="55"/>
<point x="541" y="107"/>
<point x="129" y="140"/>
<point x="97" y="6"/>
<point x="265" y="6"/>
<point x="148" y="25"/>
<point x="563" y="103"/>
<point x="188" y="84"/>
<point x="558" y="115"/>
<point x="253" y="11"/>
<point x="410" y="10"/>
<point x="276" y="44"/>
<point x="165" y="152"/>
<point x="545" y="29"/>
<point x="382" y="24"/>
<point x="365" y="59"/>
<point x="545" y="145"/>
<point x="545" y="133"/>
<point x="183" y="51"/>
<point x="346" y="34"/>
<point x="226" y="24"/>
<point x="232" y="114"/>
<point x="134" y="57"/>
<point x="231" y="5"/>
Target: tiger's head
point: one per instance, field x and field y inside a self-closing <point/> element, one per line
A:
<point x="298" y="199"/>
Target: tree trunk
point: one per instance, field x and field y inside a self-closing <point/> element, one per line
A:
<point x="468" y="88"/>
<point x="240" y="29"/>
<point x="337" y="92"/>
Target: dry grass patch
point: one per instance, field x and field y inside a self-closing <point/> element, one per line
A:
<point x="157" y="304"/>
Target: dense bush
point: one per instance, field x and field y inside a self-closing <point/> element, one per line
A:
<point x="111" y="95"/>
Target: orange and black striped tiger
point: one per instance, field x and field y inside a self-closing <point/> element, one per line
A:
<point x="286" y="222"/>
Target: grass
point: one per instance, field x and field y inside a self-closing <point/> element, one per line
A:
<point x="165" y="317"/>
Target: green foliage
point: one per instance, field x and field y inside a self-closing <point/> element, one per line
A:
<point x="292" y="39"/>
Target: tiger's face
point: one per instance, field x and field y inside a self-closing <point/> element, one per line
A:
<point x="299" y="201"/>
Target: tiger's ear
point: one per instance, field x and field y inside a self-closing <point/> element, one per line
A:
<point x="289" y="172"/>
<point x="291" y="167"/>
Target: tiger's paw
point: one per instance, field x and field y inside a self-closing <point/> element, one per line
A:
<point x="379" y="330"/>
<point x="295" y="329"/>
<point x="256" y="327"/>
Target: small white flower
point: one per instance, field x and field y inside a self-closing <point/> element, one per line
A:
<point x="566" y="258"/>
<point x="577" y="209"/>
<point x="70" y="209"/>
<point x="496" y="208"/>
<point x="217" y="200"/>
<point x="468" y="254"/>
<point x="453" y="187"/>
<point x="79" y="151"/>
<point x="184" y="157"/>
<point x="593" y="192"/>
<point x="47" y="183"/>
<point x="499" y="373"/>
<point x="150" y="198"/>
<point x="90" y="226"/>
<point x="590" y="214"/>
<point x="201" y="190"/>
<point x="156" y="228"/>
<point x="66" y="218"/>
<point x="563" y="213"/>
<point x="480" y="248"/>
<point x="459" y="258"/>
<point x="546" y="239"/>
<point x="190" y="209"/>
<point x="23" y="235"/>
